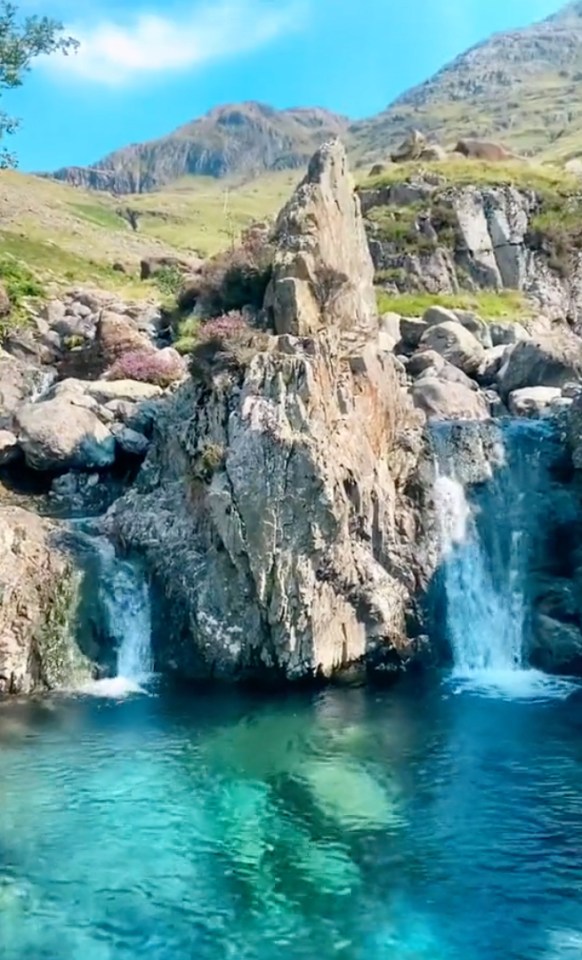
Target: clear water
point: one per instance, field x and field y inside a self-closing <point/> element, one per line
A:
<point x="414" y="824"/>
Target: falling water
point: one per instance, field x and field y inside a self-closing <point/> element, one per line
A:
<point x="489" y="534"/>
<point x="125" y="614"/>
<point x="125" y="598"/>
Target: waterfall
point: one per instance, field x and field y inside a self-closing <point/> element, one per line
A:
<point x="123" y="601"/>
<point x="489" y="498"/>
<point x="125" y="598"/>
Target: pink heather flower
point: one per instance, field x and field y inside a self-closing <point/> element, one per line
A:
<point x="158" y="367"/>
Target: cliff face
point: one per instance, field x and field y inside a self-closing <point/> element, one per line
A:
<point x="427" y="234"/>
<point x="276" y="506"/>
<point x="39" y="596"/>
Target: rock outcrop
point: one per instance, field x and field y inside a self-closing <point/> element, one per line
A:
<point x="322" y="272"/>
<point x="275" y="506"/>
<point x="463" y="237"/>
<point x="38" y="596"/>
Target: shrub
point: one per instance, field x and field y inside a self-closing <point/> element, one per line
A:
<point x="237" y="278"/>
<point x="158" y="367"/>
<point x="225" y="343"/>
<point x="169" y="281"/>
<point x="209" y="461"/>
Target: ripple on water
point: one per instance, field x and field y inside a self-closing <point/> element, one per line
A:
<point x="352" y="825"/>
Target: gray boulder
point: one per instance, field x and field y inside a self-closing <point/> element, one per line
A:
<point x="9" y="448"/>
<point x="442" y="400"/>
<point x="556" y="646"/>
<point x="62" y="434"/>
<point x="549" y="362"/>
<point x="412" y="330"/>
<point x="455" y="344"/>
<point x="131" y="442"/>
<point x="533" y="401"/>
<point x="505" y="332"/>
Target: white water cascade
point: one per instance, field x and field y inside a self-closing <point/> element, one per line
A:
<point x="489" y="535"/>
<point x="125" y="604"/>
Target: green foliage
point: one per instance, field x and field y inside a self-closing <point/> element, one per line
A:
<point x="169" y="281"/>
<point x="209" y="461"/>
<point x="19" y="280"/>
<point x="186" y="335"/>
<point x="395" y="275"/>
<point x="74" y="342"/>
<point x="98" y="214"/>
<point x="556" y="232"/>
<point x="489" y="305"/>
<point x="462" y="171"/>
<point x="22" y="41"/>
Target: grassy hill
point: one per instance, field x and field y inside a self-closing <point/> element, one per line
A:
<point x="66" y="235"/>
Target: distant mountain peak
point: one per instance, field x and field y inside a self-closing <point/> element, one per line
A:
<point x="236" y="138"/>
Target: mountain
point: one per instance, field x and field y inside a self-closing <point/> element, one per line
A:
<point x="523" y="87"/>
<point x="244" y="139"/>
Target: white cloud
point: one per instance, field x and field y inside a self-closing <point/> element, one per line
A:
<point x="116" y="53"/>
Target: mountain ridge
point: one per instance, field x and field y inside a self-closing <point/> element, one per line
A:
<point x="522" y="86"/>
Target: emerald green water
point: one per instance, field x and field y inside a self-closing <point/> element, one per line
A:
<point x="423" y="823"/>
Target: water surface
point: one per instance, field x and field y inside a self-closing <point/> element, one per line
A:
<point x="424" y="823"/>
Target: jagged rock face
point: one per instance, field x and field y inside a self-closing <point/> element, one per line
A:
<point x="322" y="272"/>
<point x="469" y="237"/>
<point x="275" y="510"/>
<point x="39" y="589"/>
<point x="295" y="559"/>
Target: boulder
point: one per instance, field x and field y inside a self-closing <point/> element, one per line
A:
<point x="132" y="391"/>
<point x="443" y="400"/>
<point x="551" y="361"/>
<point x="5" y="305"/>
<point x="390" y="330"/>
<point x="455" y="344"/>
<point x="9" y="448"/>
<point x="61" y="434"/>
<point x="475" y="325"/>
<point x="470" y="321"/>
<point x="17" y="382"/>
<point x="322" y="270"/>
<point x="488" y="150"/>
<point x="410" y="149"/>
<point x="424" y="360"/>
<point x="116" y="335"/>
<point x="39" y="591"/>
<point x="412" y="330"/>
<point x="505" y="332"/>
<point x="450" y="374"/>
<point x="533" y="401"/>
<point x="131" y="442"/>
<point x="556" y="646"/>
<point x="490" y="365"/>
<point x="434" y="152"/>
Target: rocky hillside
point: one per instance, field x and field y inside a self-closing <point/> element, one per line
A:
<point x="523" y="87"/>
<point x="245" y="138"/>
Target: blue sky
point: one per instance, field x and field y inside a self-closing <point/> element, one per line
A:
<point x="148" y="66"/>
